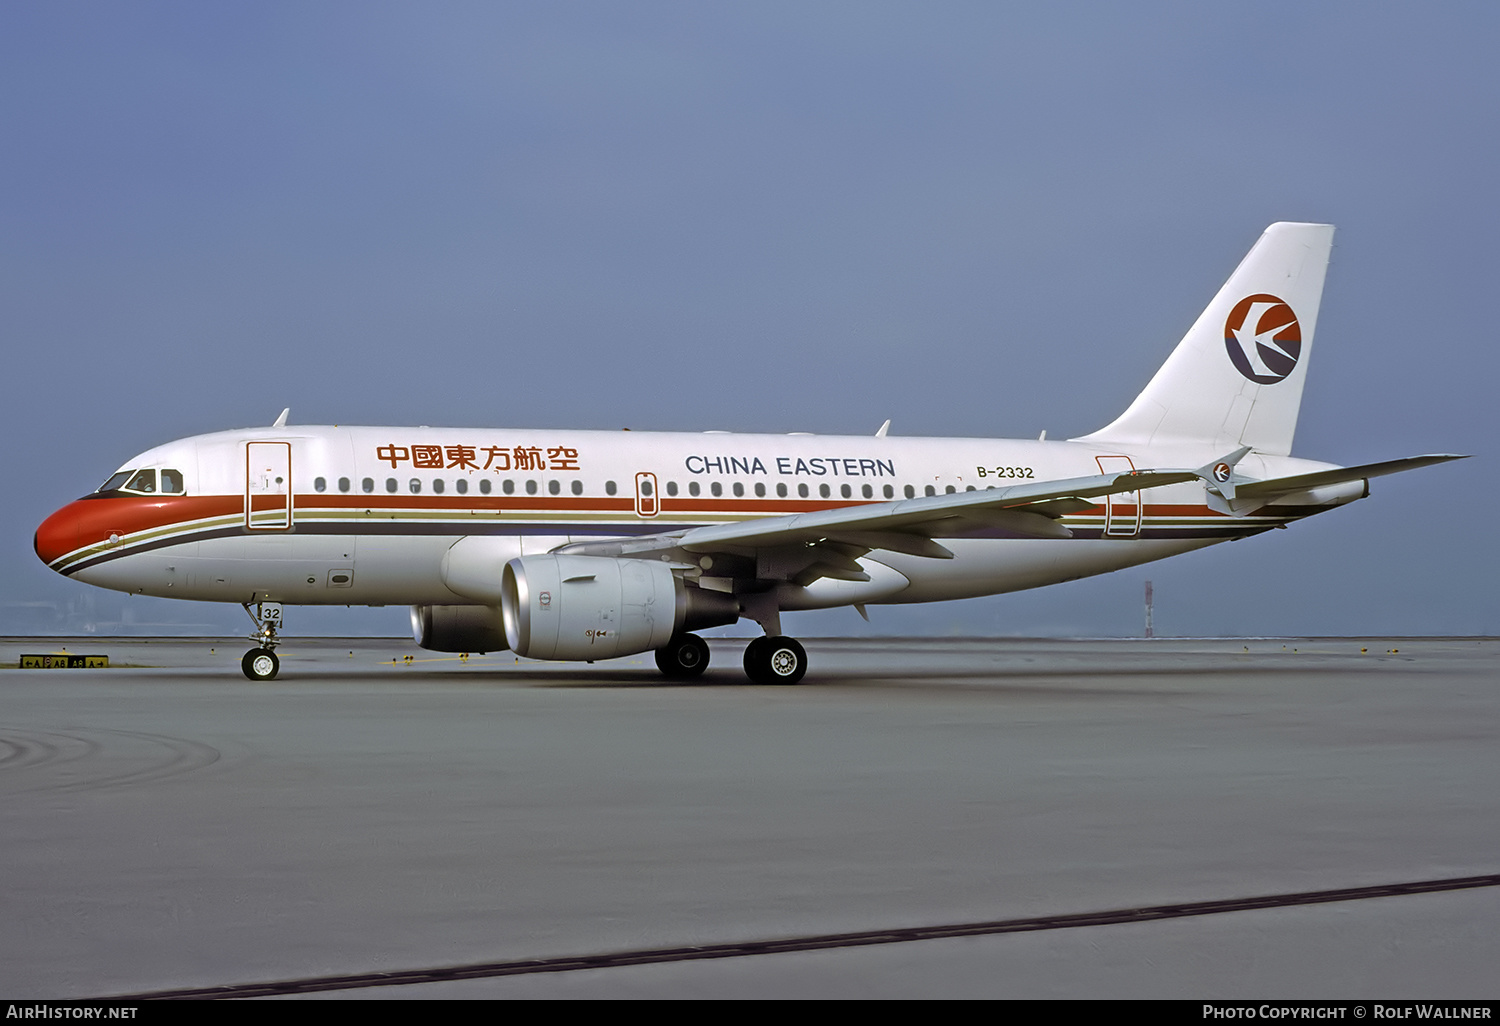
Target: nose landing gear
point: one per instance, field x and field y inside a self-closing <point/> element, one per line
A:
<point x="260" y="663"/>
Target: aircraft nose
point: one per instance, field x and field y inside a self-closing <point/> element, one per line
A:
<point x="59" y="534"/>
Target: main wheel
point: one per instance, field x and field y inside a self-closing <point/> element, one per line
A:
<point x="775" y="661"/>
<point x="260" y="664"/>
<point x="684" y="657"/>
<point x="753" y="658"/>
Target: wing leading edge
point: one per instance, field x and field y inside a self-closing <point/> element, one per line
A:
<point x="902" y="525"/>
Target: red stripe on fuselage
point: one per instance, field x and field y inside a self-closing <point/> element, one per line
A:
<point x="93" y="520"/>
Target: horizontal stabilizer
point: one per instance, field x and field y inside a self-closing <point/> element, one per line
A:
<point x="1270" y="489"/>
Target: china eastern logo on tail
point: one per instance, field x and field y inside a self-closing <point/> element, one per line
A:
<point x="1263" y="338"/>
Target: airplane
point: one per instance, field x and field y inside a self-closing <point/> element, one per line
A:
<point x="590" y="545"/>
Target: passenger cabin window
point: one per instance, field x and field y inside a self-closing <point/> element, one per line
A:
<point x="609" y="488"/>
<point x="343" y="484"/>
<point x="461" y="486"/>
<point x="577" y="487"/>
<point x="368" y="484"/>
<point x="484" y="486"/>
<point x="320" y="484"/>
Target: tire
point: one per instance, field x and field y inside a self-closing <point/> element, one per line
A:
<point x="683" y="658"/>
<point x="753" y="668"/>
<point x="260" y="664"/>
<point x="775" y="661"/>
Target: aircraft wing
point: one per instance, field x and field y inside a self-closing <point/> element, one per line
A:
<point x="903" y="525"/>
<point x="1278" y="486"/>
<point x="929" y="514"/>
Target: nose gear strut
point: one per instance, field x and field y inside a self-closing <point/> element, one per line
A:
<point x="261" y="663"/>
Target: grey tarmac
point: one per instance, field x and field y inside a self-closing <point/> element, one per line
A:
<point x="169" y="824"/>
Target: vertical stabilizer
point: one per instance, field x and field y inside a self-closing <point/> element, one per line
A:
<point x="1236" y="377"/>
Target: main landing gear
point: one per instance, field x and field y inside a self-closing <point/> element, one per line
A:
<point x="775" y="660"/>
<point x="260" y="663"/>
<point x="767" y="660"/>
<point x="684" y="657"/>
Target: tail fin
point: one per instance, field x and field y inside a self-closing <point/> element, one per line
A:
<point x="1236" y="377"/>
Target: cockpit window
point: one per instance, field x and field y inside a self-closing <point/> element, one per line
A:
<point x="144" y="482"/>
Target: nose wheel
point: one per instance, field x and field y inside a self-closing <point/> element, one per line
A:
<point x="260" y="664"/>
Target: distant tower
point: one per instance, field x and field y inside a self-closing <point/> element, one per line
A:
<point x="1150" y="631"/>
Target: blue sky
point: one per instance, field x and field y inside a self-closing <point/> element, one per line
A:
<point x="974" y="219"/>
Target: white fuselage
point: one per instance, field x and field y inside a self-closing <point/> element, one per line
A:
<point x="389" y="515"/>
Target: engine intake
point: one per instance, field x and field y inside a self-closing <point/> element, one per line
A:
<point x="597" y="607"/>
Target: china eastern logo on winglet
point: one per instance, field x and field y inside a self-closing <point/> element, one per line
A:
<point x="1263" y="338"/>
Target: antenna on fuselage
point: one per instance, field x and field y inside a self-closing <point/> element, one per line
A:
<point x="883" y="428"/>
<point x="280" y="421"/>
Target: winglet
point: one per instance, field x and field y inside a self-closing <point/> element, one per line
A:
<point x="280" y="421"/>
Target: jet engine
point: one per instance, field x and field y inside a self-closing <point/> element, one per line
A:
<point x="598" y="607"/>
<point x="458" y="628"/>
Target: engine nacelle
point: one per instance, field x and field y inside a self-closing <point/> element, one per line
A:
<point x="598" y="607"/>
<point x="458" y="628"/>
